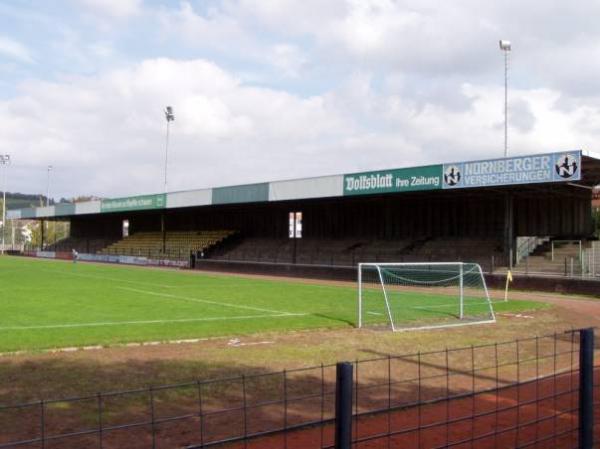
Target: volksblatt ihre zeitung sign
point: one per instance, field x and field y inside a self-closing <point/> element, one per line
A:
<point x="399" y="180"/>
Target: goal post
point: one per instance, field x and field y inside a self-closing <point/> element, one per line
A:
<point x="422" y="295"/>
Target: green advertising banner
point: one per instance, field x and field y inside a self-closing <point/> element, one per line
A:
<point x="134" y="203"/>
<point x="398" y="180"/>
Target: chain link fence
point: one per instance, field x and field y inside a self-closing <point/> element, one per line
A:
<point x="533" y="392"/>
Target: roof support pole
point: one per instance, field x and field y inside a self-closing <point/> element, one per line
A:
<point x="42" y="227"/>
<point x="163" y="230"/>
<point x="509" y="226"/>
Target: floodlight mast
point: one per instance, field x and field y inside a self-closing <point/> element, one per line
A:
<point x="48" y="186"/>
<point x="170" y="116"/>
<point x="48" y="200"/>
<point x="506" y="47"/>
<point x="4" y="160"/>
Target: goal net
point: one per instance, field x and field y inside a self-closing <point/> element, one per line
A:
<point x="409" y="296"/>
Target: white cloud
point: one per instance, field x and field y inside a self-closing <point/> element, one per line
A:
<point x="228" y="31"/>
<point x="215" y="30"/>
<point x="116" y="9"/>
<point x="289" y="59"/>
<point x="270" y="89"/>
<point x="101" y="49"/>
<point x="104" y="134"/>
<point x="411" y="35"/>
<point x="15" y="50"/>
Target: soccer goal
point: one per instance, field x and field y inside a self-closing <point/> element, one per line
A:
<point x="410" y="296"/>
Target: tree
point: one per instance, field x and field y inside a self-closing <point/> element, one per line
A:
<point x="4" y="228"/>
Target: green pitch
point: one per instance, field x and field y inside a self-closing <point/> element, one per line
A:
<point x="48" y="304"/>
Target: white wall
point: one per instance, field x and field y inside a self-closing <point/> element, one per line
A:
<point x="324" y="186"/>
<point x="190" y="198"/>
<point x="89" y="207"/>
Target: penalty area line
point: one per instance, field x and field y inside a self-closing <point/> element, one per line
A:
<point x="204" y="301"/>
<point x="120" y="323"/>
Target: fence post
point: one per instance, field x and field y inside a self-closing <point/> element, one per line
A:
<point x="586" y="388"/>
<point x="43" y="424"/>
<point x="100" y="424"/>
<point x="343" y="405"/>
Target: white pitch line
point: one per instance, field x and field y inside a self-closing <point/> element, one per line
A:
<point x="205" y="301"/>
<point x="119" y="323"/>
<point x="105" y="278"/>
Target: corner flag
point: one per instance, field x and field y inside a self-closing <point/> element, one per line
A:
<point x="509" y="279"/>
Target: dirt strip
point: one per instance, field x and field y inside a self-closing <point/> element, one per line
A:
<point x="540" y="414"/>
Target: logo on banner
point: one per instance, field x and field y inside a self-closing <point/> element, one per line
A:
<point x="452" y="175"/>
<point x="566" y="166"/>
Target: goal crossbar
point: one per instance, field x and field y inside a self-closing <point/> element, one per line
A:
<point x="397" y="286"/>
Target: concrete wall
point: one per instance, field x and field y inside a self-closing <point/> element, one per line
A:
<point x="494" y="281"/>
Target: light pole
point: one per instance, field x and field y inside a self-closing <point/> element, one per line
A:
<point x="4" y="160"/>
<point x="48" y="200"/>
<point x="48" y="186"/>
<point x="170" y="118"/>
<point x="506" y="47"/>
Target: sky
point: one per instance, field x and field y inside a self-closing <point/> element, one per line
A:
<point x="279" y="89"/>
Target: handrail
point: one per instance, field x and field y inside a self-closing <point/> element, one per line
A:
<point x="527" y="244"/>
<point x="568" y="241"/>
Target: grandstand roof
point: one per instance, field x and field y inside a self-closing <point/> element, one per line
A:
<point x="571" y="167"/>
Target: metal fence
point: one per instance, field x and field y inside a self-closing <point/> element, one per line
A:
<point x="591" y="260"/>
<point x="565" y="258"/>
<point x="535" y="392"/>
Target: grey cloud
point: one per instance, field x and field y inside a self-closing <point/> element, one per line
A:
<point x="521" y="116"/>
<point x="390" y="83"/>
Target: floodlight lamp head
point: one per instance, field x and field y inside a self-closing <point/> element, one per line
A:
<point x="169" y="115"/>
<point x="505" y="45"/>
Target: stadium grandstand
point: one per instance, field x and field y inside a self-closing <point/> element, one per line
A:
<point x="493" y="212"/>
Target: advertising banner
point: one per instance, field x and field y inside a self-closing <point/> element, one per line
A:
<point x="295" y="225"/>
<point x="109" y="258"/>
<point x="390" y="181"/>
<point x="552" y="167"/>
<point x="143" y="202"/>
<point x="64" y="255"/>
<point x="168" y="263"/>
<point x="98" y="258"/>
<point x="46" y="254"/>
<point x="131" y="260"/>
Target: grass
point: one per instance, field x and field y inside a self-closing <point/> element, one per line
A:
<point x="49" y="304"/>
